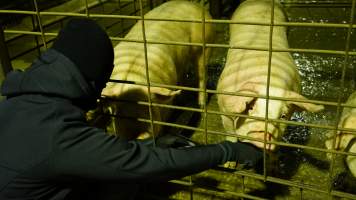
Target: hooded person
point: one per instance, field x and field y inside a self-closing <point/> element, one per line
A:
<point x="47" y="149"/>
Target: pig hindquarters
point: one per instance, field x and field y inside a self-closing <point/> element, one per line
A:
<point x="246" y="71"/>
<point x="346" y="140"/>
<point x="167" y="64"/>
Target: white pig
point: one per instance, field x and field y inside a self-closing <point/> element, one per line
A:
<point x="346" y="140"/>
<point x="246" y="71"/>
<point x="167" y="64"/>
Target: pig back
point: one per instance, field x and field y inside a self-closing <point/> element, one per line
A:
<point x="244" y="65"/>
<point x="166" y="63"/>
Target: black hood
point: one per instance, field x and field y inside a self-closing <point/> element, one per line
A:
<point x="52" y="74"/>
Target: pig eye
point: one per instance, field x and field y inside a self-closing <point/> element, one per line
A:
<point x="250" y="105"/>
<point x="283" y="116"/>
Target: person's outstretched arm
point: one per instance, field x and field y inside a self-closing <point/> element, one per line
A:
<point x="91" y="153"/>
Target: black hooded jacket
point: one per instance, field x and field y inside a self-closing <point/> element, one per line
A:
<point x="47" y="150"/>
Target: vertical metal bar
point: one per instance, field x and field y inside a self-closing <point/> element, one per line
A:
<point x="35" y="28"/>
<point x="267" y="89"/>
<point x="40" y="24"/>
<point x="204" y="76"/>
<point x="114" y="119"/>
<point x="338" y="112"/>
<point x="147" y="71"/>
<point x="87" y="8"/>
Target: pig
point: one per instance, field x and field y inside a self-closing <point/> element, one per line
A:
<point x="246" y="71"/>
<point x="167" y="64"/>
<point x="345" y="140"/>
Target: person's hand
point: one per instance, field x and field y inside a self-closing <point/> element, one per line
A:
<point x="244" y="154"/>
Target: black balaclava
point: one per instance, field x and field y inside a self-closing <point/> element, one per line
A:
<point x="88" y="46"/>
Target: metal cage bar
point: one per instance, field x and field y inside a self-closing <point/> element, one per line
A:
<point x="40" y="24"/>
<point x="205" y="120"/>
<point x="146" y="69"/>
<point x="86" y="8"/>
<point x="269" y="65"/>
<point x="215" y="21"/>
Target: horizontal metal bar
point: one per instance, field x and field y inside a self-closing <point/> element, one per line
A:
<point x="343" y="194"/>
<point x="218" y="190"/>
<point x="67" y="14"/>
<point x="23" y="12"/>
<point x="90" y="15"/>
<point x="233" y="115"/>
<point x="178" y="87"/>
<point x="214" y="21"/>
<point x="157" y="42"/>
<point x="7" y="31"/>
<point x="321" y="51"/>
<point x="316" y="4"/>
<point x="293" y="24"/>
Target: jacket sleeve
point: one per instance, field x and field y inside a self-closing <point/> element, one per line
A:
<point x="92" y="154"/>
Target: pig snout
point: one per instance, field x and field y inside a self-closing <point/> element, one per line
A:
<point x="261" y="135"/>
<point x="256" y="130"/>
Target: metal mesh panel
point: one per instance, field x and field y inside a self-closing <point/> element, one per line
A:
<point x="309" y="175"/>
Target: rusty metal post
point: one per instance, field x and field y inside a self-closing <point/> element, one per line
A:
<point x="5" y="63"/>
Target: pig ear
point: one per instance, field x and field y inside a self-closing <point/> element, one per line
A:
<point x="160" y="94"/>
<point x="303" y="105"/>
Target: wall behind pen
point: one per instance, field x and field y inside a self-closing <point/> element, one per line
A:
<point x="322" y="43"/>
